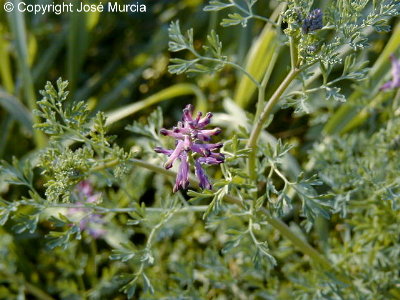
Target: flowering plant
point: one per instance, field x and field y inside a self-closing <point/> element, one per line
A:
<point x="189" y="134"/>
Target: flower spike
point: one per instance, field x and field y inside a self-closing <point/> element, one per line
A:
<point x="313" y="21"/>
<point x="190" y="135"/>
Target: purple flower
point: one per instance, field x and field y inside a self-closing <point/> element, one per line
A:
<point x="204" y="183"/>
<point x="190" y="135"/>
<point x="92" y="223"/>
<point x="182" y="178"/>
<point x="395" y="82"/>
<point x="313" y="21"/>
<point x="85" y="192"/>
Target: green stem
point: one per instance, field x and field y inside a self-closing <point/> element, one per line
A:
<point x="100" y="209"/>
<point x="265" y="20"/>
<point x="251" y="15"/>
<point x="226" y="62"/>
<point x="232" y="64"/>
<point x="301" y="244"/>
<point x="264" y="116"/>
<point x="264" y="82"/>
<point x="165" y="219"/>
<point x="38" y="293"/>
<point x="106" y="165"/>
<point x="293" y="52"/>
<point x="267" y="75"/>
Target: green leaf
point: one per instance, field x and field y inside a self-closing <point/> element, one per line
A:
<point x="6" y="208"/>
<point x="62" y="239"/>
<point x="334" y="94"/>
<point x="196" y="196"/>
<point x="382" y="26"/>
<point x="230" y="245"/>
<point x="26" y="222"/>
<point x="17" y="110"/>
<point x="215" y="45"/>
<point x="178" y="41"/>
<point x="180" y="66"/>
<point x="234" y="19"/>
<point x="19" y="173"/>
<point x="217" y="5"/>
<point x="264" y="250"/>
<point x="130" y="289"/>
<point x="61" y="221"/>
<point x="147" y="284"/>
<point x="150" y="130"/>
<point x="123" y="255"/>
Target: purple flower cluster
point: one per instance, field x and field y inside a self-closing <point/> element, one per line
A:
<point x="191" y="138"/>
<point x="395" y="82"/>
<point x="313" y="21"/>
<point x="92" y="223"/>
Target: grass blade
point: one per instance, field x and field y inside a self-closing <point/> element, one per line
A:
<point x="166" y="94"/>
<point x="259" y="59"/>
<point x="5" y="68"/>
<point x="17" y="110"/>
<point x="78" y="41"/>
<point x="347" y="112"/>
<point x="17" y="25"/>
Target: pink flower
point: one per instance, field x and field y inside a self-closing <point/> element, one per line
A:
<point x="89" y="222"/>
<point x="190" y="135"/>
<point x="395" y="82"/>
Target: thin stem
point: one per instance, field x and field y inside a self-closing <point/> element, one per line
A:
<point x="267" y="75"/>
<point x="239" y="7"/>
<point x="251" y="15"/>
<point x="265" y="20"/>
<point x="305" y="247"/>
<point x="106" y="165"/>
<point x="293" y="53"/>
<point x="35" y="291"/>
<point x="101" y="209"/>
<point x="250" y="230"/>
<point x="264" y="82"/>
<point x="301" y="244"/>
<point x="264" y="116"/>
<point x="236" y="66"/>
<point x="226" y="62"/>
<point x="251" y="77"/>
<point x="269" y="107"/>
<point x="165" y="219"/>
